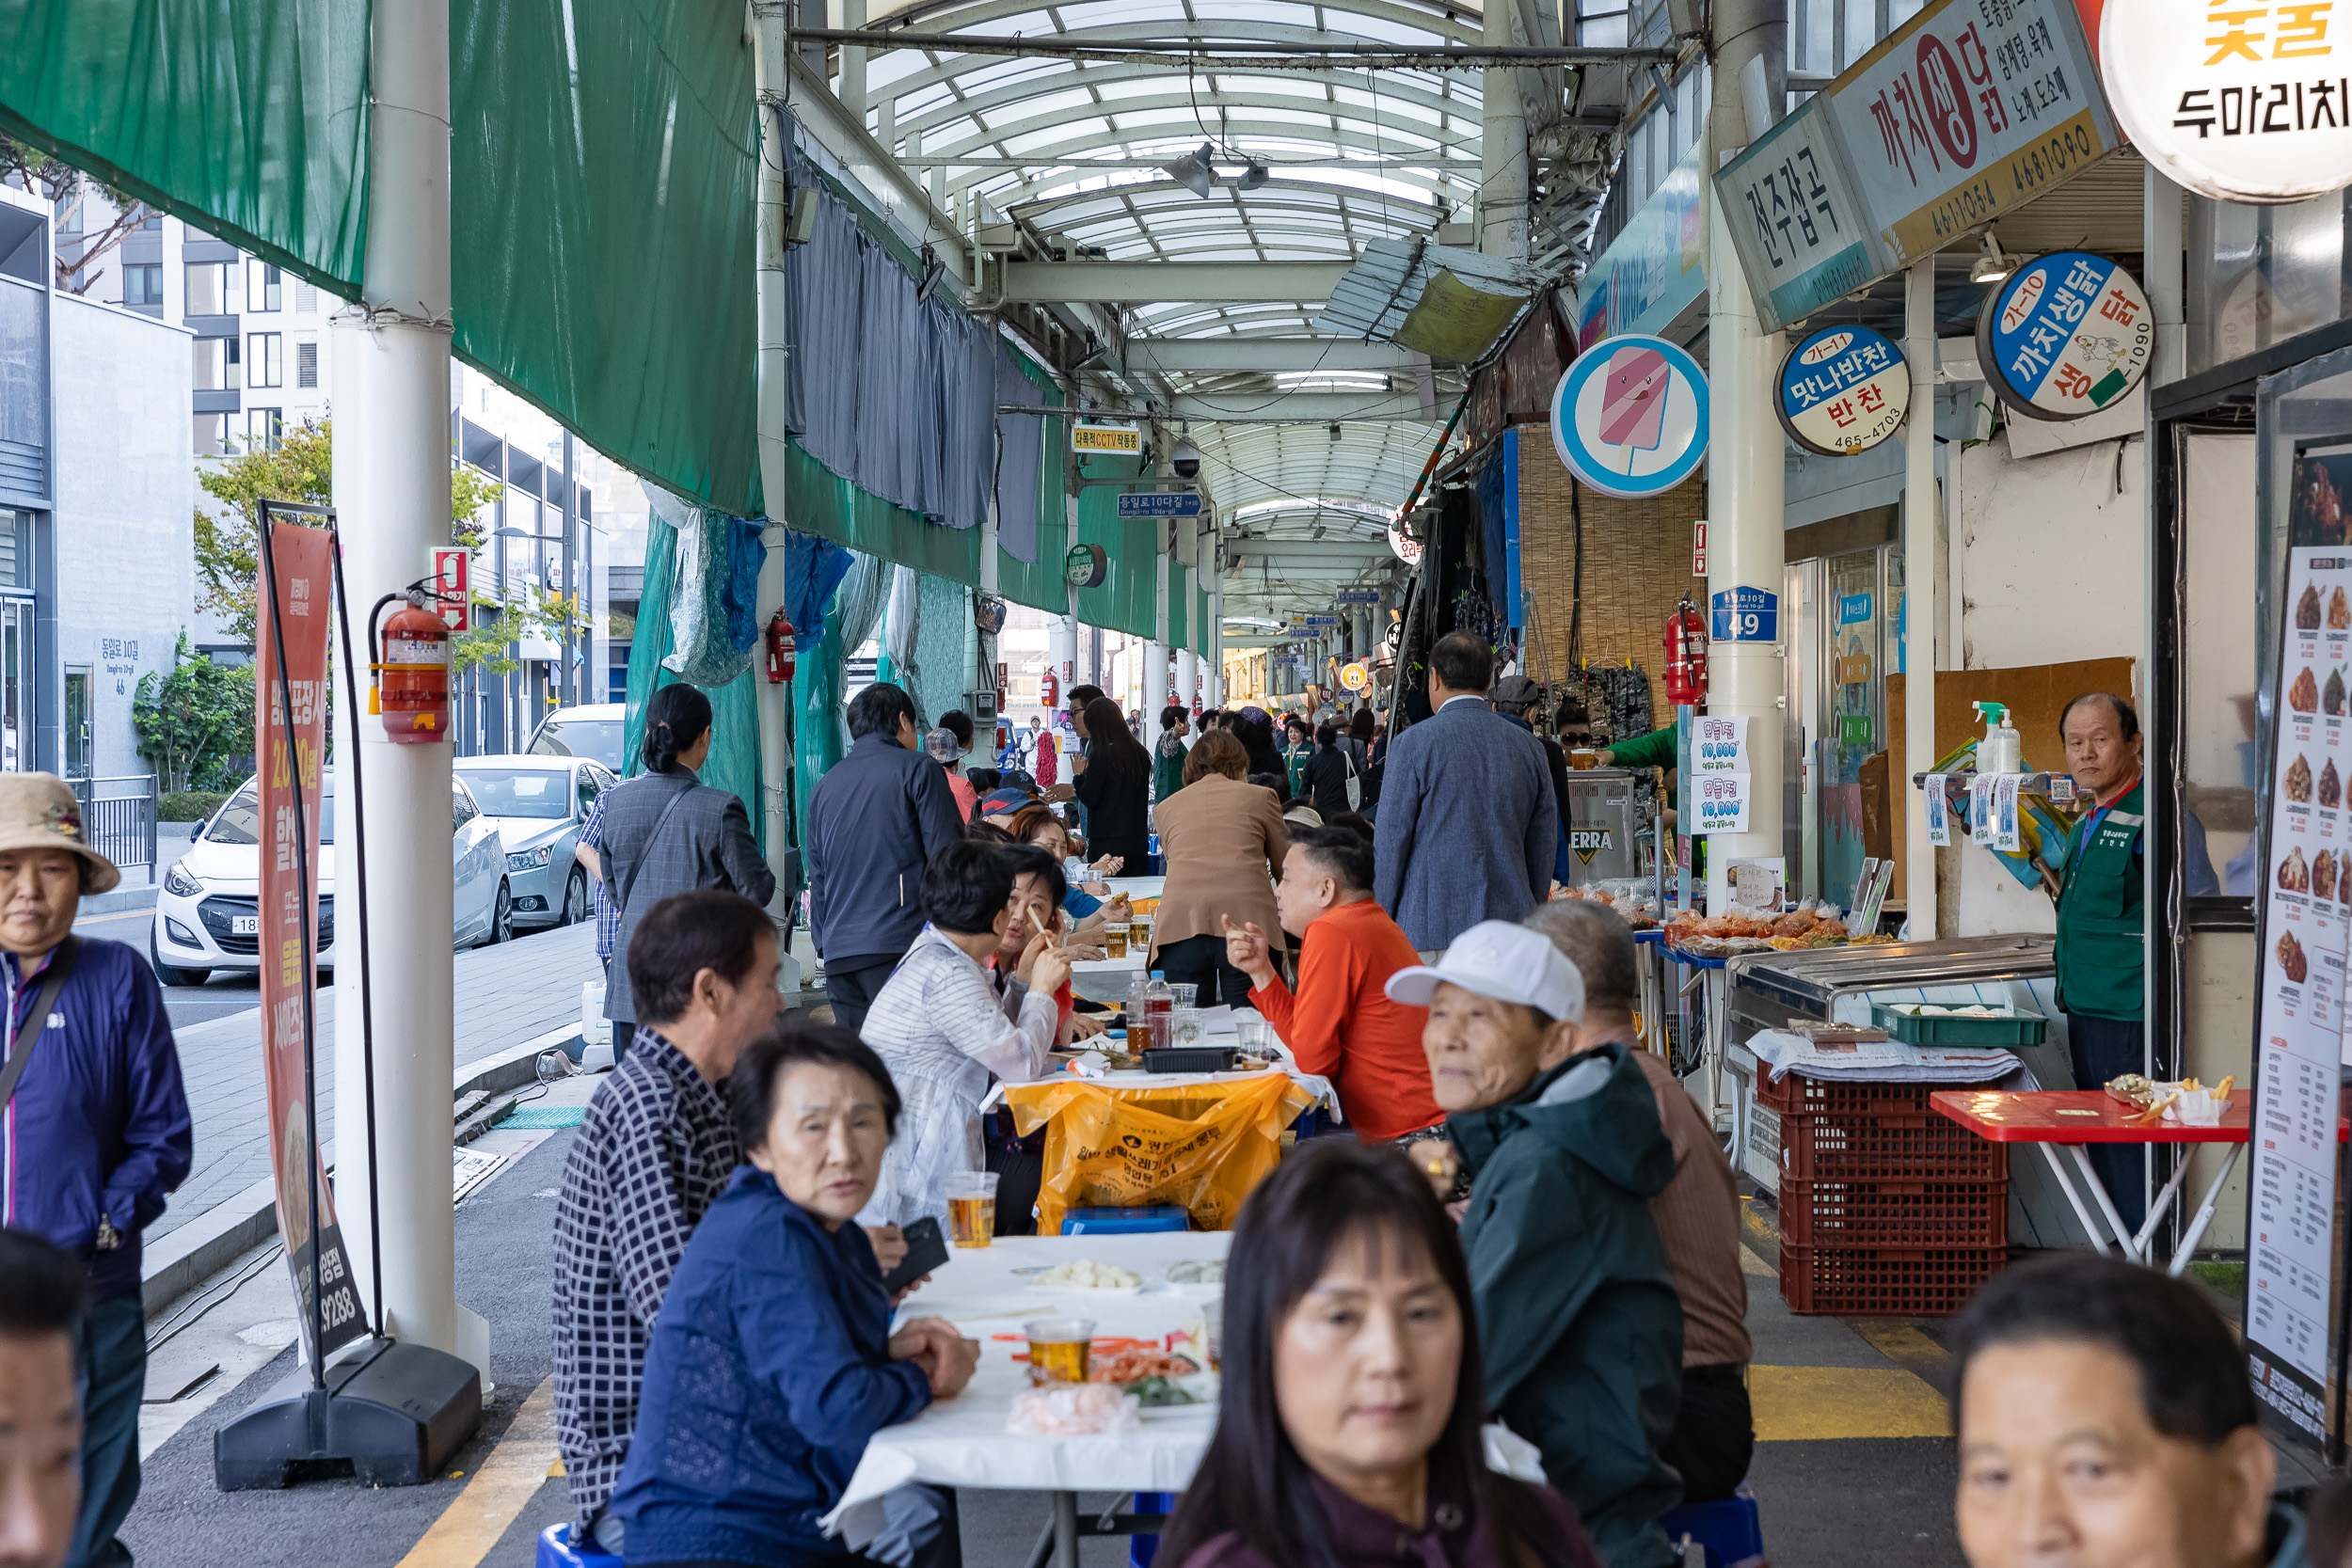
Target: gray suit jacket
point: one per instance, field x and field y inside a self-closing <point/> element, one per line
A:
<point x="1467" y="824"/>
<point x="705" y="843"/>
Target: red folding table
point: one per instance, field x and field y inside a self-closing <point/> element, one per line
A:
<point x="2052" y="1119"/>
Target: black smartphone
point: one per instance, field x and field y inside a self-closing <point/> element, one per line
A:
<point x="927" y="1249"/>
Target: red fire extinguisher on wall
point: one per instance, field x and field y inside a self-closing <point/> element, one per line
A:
<point x="410" y="688"/>
<point x="1686" y="656"/>
<point x="783" y="650"/>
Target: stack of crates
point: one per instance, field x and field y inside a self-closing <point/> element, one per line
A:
<point x="1886" y="1208"/>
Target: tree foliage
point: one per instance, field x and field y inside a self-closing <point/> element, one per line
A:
<point x="301" y="468"/>
<point x="58" y="182"/>
<point x="195" y="724"/>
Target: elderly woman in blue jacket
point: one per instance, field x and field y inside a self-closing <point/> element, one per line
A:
<point x="772" y="1362"/>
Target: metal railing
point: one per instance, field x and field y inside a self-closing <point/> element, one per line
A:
<point x="118" y="818"/>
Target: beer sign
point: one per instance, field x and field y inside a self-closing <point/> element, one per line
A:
<point x="2250" y="100"/>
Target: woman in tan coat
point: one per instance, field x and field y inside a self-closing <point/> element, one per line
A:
<point x="1224" y="843"/>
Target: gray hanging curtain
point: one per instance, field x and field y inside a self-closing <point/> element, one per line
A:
<point x="859" y="603"/>
<point x="1021" y="439"/>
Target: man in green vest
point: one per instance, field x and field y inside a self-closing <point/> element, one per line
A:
<point x="2102" y="927"/>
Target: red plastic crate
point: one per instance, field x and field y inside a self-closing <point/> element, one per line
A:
<point x="1887" y="1148"/>
<point x="1797" y="1096"/>
<point x="1884" y="1282"/>
<point x="1895" y="1214"/>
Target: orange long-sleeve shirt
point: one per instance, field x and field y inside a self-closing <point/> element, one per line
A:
<point x="1341" y="1025"/>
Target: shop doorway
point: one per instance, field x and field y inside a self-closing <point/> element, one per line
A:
<point x="77" y="722"/>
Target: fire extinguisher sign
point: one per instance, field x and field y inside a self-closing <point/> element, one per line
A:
<point x="1746" y="615"/>
<point x="452" y="577"/>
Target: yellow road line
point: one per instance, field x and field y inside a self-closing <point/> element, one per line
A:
<point x="1751" y="1261"/>
<point x="1903" y="1344"/>
<point x="502" y="1485"/>
<point x="127" y="914"/>
<point x="1795" y="1403"/>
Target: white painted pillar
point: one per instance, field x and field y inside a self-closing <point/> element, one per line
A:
<point x="1217" y="642"/>
<point x="391" y="393"/>
<point x="1920" y="557"/>
<point x="852" y="92"/>
<point x="774" y="701"/>
<point x="1187" y="678"/>
<point x="2163" y="265"/>
<point x="1503" y="145"/>
<point x="1155" y="651"/>
<point x="1744" y="458"/>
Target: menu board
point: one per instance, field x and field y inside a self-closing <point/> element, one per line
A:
<point x="2300" y="1043"/>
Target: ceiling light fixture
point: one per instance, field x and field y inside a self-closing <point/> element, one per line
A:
<point x="933" y="269"/>
<point x="1255" y="175"/>
<point x="1992" y="265"/>
<point x="1194" y="172"/>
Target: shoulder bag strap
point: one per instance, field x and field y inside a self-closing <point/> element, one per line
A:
<point x="54" y="982"/>
<point x="659" y="823"/>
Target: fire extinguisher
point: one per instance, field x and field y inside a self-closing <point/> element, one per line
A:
<point x="1686" y="656"/>
<point x="410" y="689"/>
<point x="783" y="651"/>
<point x="1048" y="690"/>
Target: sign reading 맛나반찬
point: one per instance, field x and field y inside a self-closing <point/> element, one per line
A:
<point x="1843" y="390"/>
<point x="2237" y="100"/>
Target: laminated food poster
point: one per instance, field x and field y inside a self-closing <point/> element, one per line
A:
<point x="2300" y="1041"/>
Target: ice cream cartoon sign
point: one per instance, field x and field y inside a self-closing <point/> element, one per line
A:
<point x="1843" y="390"/>
<point x="1629" y="418"/>
<point x="2065" y="336"/>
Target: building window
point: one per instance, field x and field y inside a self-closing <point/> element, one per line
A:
<point x="212" y="435"/>
<point x="263" y="429"/>
<point x="153" y="222"/>
<point x="307" y="364"/>
<point x="208" y="289"/>
<point x="264" y="360"/>
<point x="263" y="290"/>
<point x="143" y="283"/>
<point x="306" y="299"/>
<point x="216" y="365"/>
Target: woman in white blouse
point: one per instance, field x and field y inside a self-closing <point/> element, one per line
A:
<point x="941" y="1028"/>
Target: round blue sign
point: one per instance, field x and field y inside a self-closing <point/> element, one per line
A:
<point x="1843" y="389"/>
<point x="1629" y="418"/>
<point x="2065" y="336"/>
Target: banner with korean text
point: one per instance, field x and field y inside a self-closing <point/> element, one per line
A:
<point x="290" y="667"/>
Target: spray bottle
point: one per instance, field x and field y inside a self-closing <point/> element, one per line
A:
<point x="2000" y="750"/>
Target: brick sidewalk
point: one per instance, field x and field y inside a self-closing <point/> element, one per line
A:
<point x="505" y="995"/>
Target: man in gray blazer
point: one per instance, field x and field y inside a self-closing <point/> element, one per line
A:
<point x="1466" y="813"/>
<point x="665" y="832"/>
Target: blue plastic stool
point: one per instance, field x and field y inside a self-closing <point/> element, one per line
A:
<point x="1141" y="1549"/>
<point x="557" y="1551"/>
<point x="1727" y="1533"/>
<point x="1124" y="1221"/>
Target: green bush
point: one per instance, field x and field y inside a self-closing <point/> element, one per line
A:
<point x="190" y="805"/>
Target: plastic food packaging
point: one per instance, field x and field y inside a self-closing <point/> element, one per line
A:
<point x="1073" y="1410"/>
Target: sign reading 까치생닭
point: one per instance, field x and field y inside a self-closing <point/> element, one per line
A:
<point x="2065" y="336"/>
<point x="2237" y="100"/>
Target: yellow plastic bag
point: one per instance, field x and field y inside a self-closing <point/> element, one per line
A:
<point x="1203" y="1146"/>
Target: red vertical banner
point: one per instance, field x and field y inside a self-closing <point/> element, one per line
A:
<point x="290" y="665"/>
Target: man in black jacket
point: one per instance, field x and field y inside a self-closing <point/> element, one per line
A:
<point x="875" y="821"/>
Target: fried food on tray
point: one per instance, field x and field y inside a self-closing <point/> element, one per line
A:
<point x="2291" y="958"/>
<point x="2331" y="695"/>
<point x="2294" y="874"/>
<point x="2307" y="611"/>
<point x="2330" y="787"/>
<point x="2324" y="875"/>
<point x="2299" y="784"/>
<point x="2339" y="611"/>
<point x="2303" y="696"/>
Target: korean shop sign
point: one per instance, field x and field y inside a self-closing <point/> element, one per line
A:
<point x="2065" y="336"/>
<point x="1843" y="390"/>
<point x="2238" y="100"/>
<point x="1795" y="220"/>
<point x="1966" y="112"/>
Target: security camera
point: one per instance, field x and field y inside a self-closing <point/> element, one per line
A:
<point x="1187" y="458"/>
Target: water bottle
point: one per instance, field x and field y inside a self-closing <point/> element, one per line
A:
<point x="1159" y="1012"/>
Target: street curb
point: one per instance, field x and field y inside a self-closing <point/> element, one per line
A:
<point x="196" y="1251"/>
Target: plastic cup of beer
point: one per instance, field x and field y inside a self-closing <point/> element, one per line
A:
<point x="1583" y="759"/>
<point x="1115" y="939"/>
<point x="971" y="1206"/>
<point x="1061" y="1349"/>
<point x="1139" y="933"/>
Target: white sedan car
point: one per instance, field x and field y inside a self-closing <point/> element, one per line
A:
<point x="539" y="803"/>
<point x="208" y="911"/>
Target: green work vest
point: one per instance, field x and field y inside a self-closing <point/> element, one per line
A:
<point x="2102" y="927"/>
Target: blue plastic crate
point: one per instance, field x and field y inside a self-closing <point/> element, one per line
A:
<point x="1729" y="1533"/>
<point x="557" y="1551"/>
<point x="1124" y="1221"/>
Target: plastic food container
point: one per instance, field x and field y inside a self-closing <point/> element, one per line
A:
<point x="1965" y="1033"/>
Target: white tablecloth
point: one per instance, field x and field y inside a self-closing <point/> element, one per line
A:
<point x="963" y="1441"/>
<point x="1139" y="887"/>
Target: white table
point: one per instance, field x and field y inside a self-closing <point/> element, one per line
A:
<point x="963" y="1441"/>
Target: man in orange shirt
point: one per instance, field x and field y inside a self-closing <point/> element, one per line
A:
<point x="1341" y="1023"/>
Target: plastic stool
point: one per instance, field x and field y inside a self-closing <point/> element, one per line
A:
<point x="1124" y="1221"/>
<point x="1141" y="1549"/>
<point x="1719" y="1534"/>
<point x="557" y="1551"/>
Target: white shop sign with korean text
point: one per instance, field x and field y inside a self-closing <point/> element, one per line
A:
<point x="1966" y="112"/>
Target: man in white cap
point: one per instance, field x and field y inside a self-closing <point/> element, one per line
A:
<point x="1577" y="1320"/>
<point x="94" y="1125"/>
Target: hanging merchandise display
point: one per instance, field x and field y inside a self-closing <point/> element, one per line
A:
<point x="1843" y="390"/>
<point x="1630" y="417"/>
<point x="2065" y="336"/>
<point x="2237" y="103"/>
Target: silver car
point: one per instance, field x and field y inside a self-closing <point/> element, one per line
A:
<point x="594" y="729"/>
<point x="539" y="803"/>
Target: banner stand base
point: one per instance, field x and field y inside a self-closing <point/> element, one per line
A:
<point x="396" y="1412"/>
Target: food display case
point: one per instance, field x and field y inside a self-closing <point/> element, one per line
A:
<point x="1606" y="831"/>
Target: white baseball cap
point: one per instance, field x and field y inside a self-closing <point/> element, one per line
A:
<point x="1508" y="962"/>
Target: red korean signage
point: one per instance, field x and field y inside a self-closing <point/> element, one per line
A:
<point x="290" y="723"/>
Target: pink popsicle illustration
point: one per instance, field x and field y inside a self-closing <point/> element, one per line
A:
<point x="1633" y="399"/>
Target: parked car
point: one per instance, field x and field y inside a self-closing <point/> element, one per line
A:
<point x="592" y="730"/>
<point x="539" y="804"/>
<point x="207" y="910"/>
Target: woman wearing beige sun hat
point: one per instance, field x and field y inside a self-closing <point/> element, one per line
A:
<point x="94" y="1127"/>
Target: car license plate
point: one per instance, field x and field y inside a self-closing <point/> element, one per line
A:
<point x="244" y="924"/>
